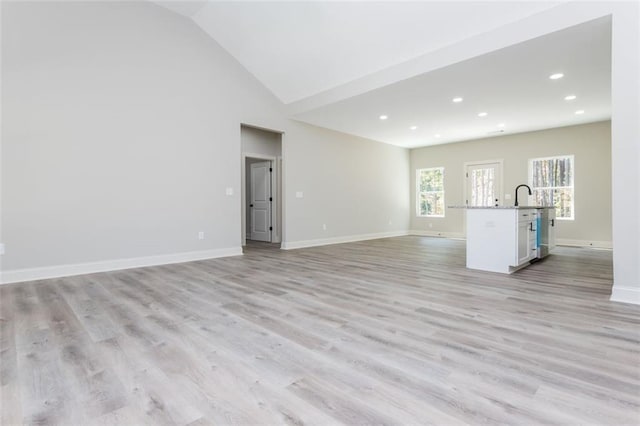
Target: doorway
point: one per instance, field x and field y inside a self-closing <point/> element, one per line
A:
<point x="483" y="183"/>
<point x="262" y="194"/>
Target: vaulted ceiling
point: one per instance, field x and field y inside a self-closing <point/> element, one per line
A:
<point x="342" y="65"/>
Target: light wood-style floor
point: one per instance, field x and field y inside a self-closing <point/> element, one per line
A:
<point x="392" y="331"/>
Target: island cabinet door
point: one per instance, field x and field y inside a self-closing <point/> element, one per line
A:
<point x="523" y="243"/>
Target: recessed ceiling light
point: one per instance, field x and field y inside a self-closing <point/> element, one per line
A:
<point x="579" y="112"/>
<point x="556" y="76"/>
<point x="383" y="117"/>
<point x="457" y="100"/>
<point x="413" y="127"/>
<point x="501" y="125"/>
<point x="482" y="114"/>
<point x="436" y="135"/>
<point x="569" y="97"/>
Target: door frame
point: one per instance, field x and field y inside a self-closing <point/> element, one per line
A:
<point x="465" y="179"/>
<point x="276" y="235"/>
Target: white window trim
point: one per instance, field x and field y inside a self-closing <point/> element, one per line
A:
<point x="418" y="192"/>
<point x="573" y="181"/>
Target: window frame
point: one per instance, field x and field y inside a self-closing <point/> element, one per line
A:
<point x="571" y="157"/>
<point x="418" y="192"/>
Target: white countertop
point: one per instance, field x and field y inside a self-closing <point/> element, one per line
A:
<point x="500" y="207"/>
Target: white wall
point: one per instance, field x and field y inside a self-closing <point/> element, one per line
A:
<point x="626" y="151"/>
<point x="591" y="146"/>
<point x="356" y="188"/>
<point x="1" y="176"/>
<point x="258" y="141"/>
<point x="119" y="134"/>
<point x="122" y="132"/>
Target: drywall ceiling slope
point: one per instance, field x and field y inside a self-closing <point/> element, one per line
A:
<point x="186" y="8"/>
<point x="511" y="85"/>
<point x="300" y="49"/>
<point x="340" y="65"/>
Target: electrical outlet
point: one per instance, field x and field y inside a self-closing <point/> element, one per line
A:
<point x="1" y="249"/>
<point x="324" y="226"/>
<point x="201" y="235"/>
<point x="507" y="196"/>
<point x="430" y="225"/>
<point x="299" y="194"/>
<point x="229" y="191"/>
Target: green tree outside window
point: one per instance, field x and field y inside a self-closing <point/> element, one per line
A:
<point x="430" y="190"/>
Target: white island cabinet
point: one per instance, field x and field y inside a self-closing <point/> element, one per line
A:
<point x="505" y="239"/>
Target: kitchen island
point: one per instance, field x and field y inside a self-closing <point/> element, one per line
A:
<point x="507" y="238"/>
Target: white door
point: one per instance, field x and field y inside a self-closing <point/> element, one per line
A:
<point x="484" y="184"/>
<point x="260" y="205"/>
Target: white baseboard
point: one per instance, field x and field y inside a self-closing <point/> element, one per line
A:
<point x="559" y="241"/>
<point x="584" y="243"/>
<point x="20" y="275"/>
<point x="442" y="234"/>
<point x="625" y="295"/>
<point x="291" y="245"/>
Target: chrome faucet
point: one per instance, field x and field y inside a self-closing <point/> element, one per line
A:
<point x="518" y="187"/>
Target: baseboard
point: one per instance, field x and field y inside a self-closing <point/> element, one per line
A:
<point x="625" y="295"/>
<point x="292" y="245"/>
<point x="584" y="243"/>
<point x="559" y="241"/>
<point x="442" y="234"/>
<point x="20" y="275"/>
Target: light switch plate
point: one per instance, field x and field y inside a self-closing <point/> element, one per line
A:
<point x="299" y="194"/>
<point x="229" y="191"/>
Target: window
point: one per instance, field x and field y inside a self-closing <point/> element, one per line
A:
<point x="551" y="180"/>
<point x="430" y="191"/>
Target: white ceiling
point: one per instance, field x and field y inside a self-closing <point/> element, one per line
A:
<point x="298" y="49"/>
<point x="511" y="85"/>
<point x="315" y="56"/>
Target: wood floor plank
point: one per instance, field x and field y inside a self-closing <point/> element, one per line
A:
<point x="391" y="331"/>
<point x="9" y="381"/>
